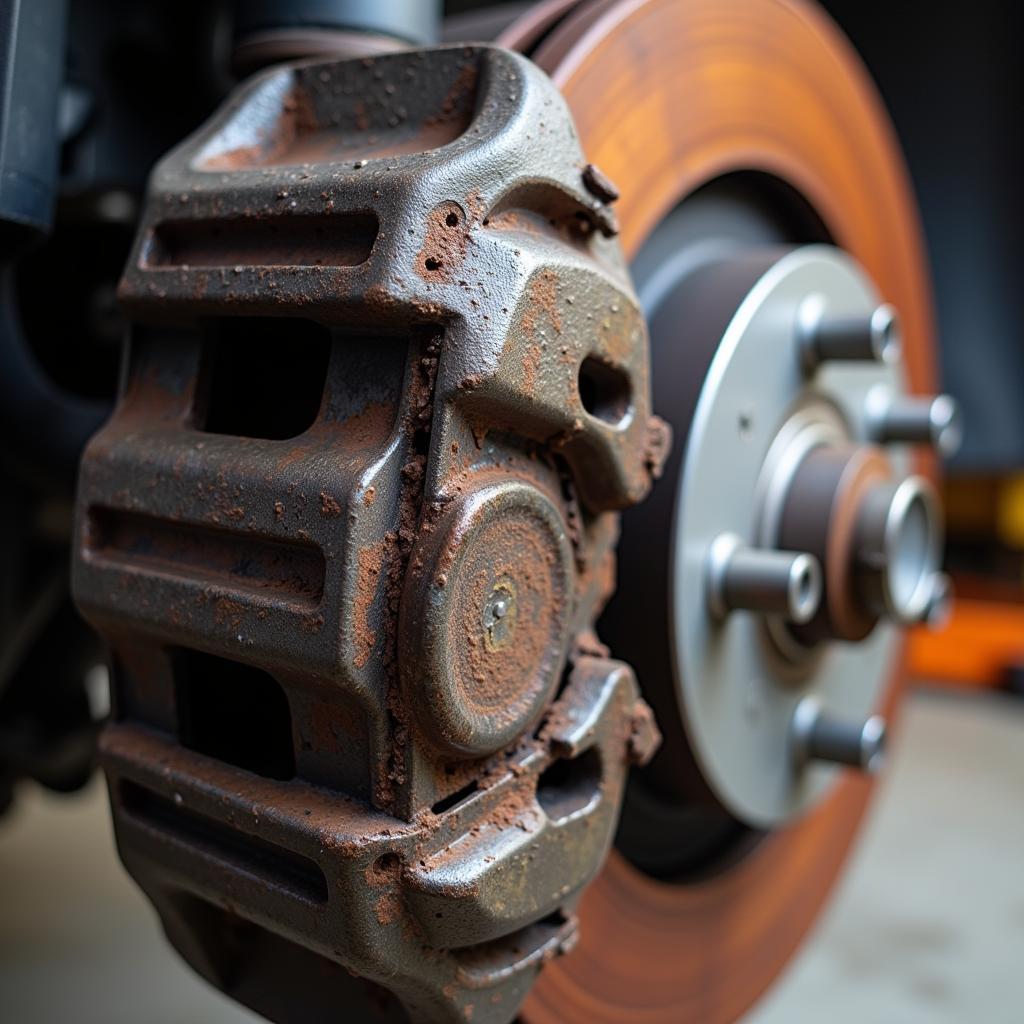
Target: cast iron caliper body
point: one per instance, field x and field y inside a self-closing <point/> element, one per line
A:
<point x="348" y="531"/>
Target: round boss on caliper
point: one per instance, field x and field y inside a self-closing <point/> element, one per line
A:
<point x="485" y="615"/>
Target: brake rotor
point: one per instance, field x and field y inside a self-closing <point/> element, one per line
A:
<point x="670" y="97"/>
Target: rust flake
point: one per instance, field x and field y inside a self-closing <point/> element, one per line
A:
<point x="542" y="299"/>
<point x="371" y="566"/>
<point x="330" y="508"/>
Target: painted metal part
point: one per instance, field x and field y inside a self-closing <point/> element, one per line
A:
<point x="348" y="531"/>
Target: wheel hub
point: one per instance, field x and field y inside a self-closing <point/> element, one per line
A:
<point x="797" y="538"/>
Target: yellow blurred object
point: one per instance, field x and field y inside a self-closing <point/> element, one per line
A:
<point x="1010" y="512"/>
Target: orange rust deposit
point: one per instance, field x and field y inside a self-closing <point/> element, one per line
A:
<point x="531" y="364"/>
<point x="372" y="562"/>
<point x="542" y="304"/>
<point x="445" y="245"/>
<point x="329" y="507"/>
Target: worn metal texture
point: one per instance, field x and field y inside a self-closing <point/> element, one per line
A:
<point x="348" y="531"/>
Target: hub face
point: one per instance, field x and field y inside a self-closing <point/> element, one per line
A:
<point x="758" y="417"/>
<point x="781" y="472"/>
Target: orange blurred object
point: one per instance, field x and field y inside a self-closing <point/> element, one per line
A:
<point x="982" y="640"/>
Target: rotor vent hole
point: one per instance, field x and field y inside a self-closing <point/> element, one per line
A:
<point x="570" y="785"/>
<point x="264" y="377"/>
<point x="604" y="391"/>
<point x="234" y="713"/>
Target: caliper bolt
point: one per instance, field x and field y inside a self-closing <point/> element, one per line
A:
<point x="825" y="337"/>
<point x="818" y="736"/>
<point x="786" y="583"/>
<point x="599" y="185"/>
<point x="934" y="420"/>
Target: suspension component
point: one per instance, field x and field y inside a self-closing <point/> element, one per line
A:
<point x="268" y="32"/>
<point x="350" y="526"/>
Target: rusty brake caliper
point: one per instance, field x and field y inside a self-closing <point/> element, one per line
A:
<point x="350" y="526"/>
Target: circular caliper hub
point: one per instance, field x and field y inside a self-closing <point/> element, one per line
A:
<point x="488" y="618"/>
<point x="801" y="541"/>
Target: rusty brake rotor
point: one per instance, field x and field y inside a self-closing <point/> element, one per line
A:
<point x="687" y="106"/>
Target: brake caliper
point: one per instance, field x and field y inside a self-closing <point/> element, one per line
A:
<point x="349" y="529"/>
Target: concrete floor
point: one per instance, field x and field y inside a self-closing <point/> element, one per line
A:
<point x="927" y="926"/>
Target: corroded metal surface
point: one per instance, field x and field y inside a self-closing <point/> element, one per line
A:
<point x="350" y="526"/>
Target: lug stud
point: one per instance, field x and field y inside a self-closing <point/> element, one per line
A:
<point x="934" y="421"/>
<point x="826" y="338"/>
<point x="817" y="736"/>
<point x="786" y="583"/>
